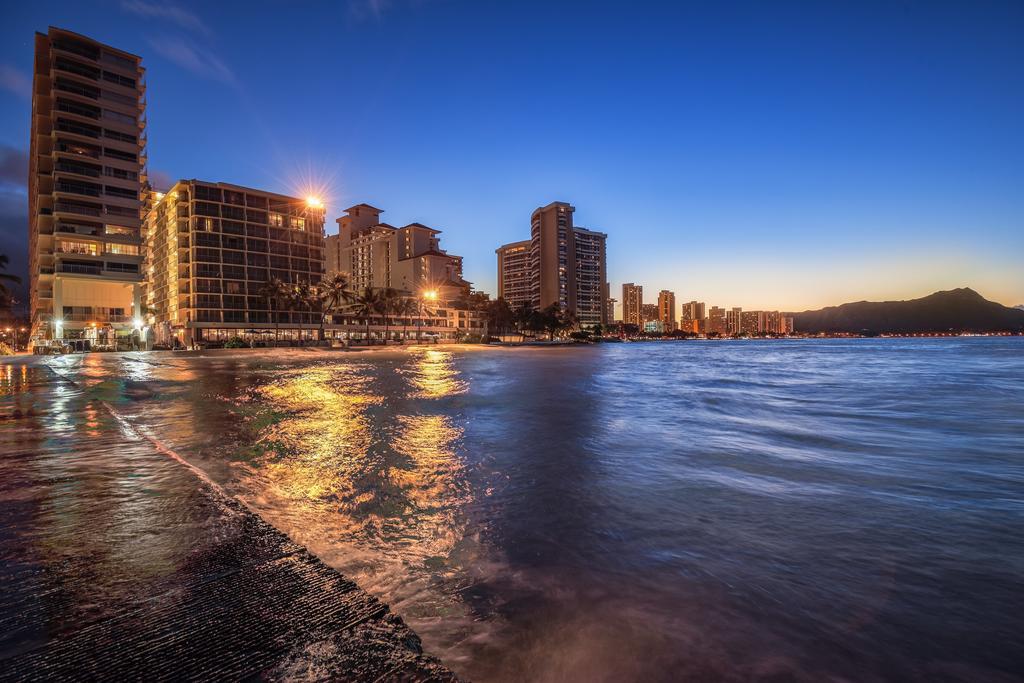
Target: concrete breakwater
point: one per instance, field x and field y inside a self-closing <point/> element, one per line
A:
<point x="118" y="562"/>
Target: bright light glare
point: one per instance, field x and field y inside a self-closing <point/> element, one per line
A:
<point x="430" y="294"/>
<point x="314" y="202"/>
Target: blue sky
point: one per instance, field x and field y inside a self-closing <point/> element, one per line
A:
<point x="764" y="155"/>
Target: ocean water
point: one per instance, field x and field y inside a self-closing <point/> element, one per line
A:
<point x="745" y="510"/>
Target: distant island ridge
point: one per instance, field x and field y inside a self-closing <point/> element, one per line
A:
<point x="962" y="310"/>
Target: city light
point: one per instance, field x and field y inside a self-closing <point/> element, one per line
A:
<point x="314" y="202"/>
<point x="430" y="295"/>
<point x="137" y="322"/>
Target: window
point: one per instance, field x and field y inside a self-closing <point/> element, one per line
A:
<point x="118" y="117"/>
<point x="111" y="77"/>
<point x="121" y="137"/>
<point x="121" y="211"/>
<point x="118" y="230"/>
<point x="123" y="249"/>
<point x="120" y="173"/>
<point x="120" y="192"/>
<point x="118" y="154"/>
<point x="76" y="247"/>
<point x="298" y="223"/>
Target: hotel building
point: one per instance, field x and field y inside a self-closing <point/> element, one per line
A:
<point x="87" y="169"/>
<point x="716" y="320"/>
<point x="667" y="310"/>
<point x="568" y="265"/>
<point x="514" y="273"/>
<point x="734" y="321"/>
<point x="693" y="317"/>
<point x="210" y="247"/>
<point x="564" y="265"/>
<point x="378" y="255"/>
<point x="632" y="302"/>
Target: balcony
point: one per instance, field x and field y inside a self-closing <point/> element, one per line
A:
<point x="76" y="208"/>
<point x="79" y="269"/>
<point x="74" y="229"/>
<point x="96" y="318"/>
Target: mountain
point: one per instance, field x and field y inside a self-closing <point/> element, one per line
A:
<point x="957" y="309"/>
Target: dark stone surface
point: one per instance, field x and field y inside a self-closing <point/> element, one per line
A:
<point x="119" y="563"/>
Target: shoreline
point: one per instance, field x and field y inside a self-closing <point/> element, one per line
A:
<point x="230" y="596"/>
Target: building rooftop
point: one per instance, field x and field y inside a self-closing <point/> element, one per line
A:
<point x="356" y="207"/>
<point x="423" y="227"/>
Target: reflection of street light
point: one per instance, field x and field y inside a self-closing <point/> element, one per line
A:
<point x="425" y="295"/>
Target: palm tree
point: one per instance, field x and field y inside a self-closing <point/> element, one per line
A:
<point x="6" y="277"/>
<point x="274" y="291"/>
<point x="365" y="305"/>
<point x="332" y="294"/>
<point x="389" y="299"/>
<point x="300" y="297"/>
<point x="405" y="308"/>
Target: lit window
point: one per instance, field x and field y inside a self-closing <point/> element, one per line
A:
<point x="299" y="223"/>
<point x="277" y="220"/>
<point x="125" y="249"/>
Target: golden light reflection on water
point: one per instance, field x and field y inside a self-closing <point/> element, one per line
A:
<point x="337" y="450"/>
<point x="433" y="374"/>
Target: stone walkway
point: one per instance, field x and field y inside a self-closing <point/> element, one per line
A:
<point x="118" y="562"/>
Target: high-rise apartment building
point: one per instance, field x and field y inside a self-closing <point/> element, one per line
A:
<point x="514" y="273"/>
<point x="734" y="321"/>
<point x="378" y="255"/>
<point x="211" y="247"/>
<point x="609" y="309"/>
<point x="648" y="312"/>
<point x="750" y="322"/>
<point x="568" y="265"/>
<point x="590" y="270"/>
<point x="86" y="174"/>
<point x="632" y="303"/>
<point x="716" y="320"/>
<point x="667" y="310"/>
<point x="692" y="318"/>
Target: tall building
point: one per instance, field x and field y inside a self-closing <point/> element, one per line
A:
<point x="609" y="310"/>
<point x="734" y="321"/>
<point x="667" y="310"/>
<point x="693" y="317"/>
<point x="648" y="312"/>
<point x="378" y="255"/>
<point x="590" y="268"/>
<point x="210" y="247"/>
<point x="514" y="273"/>
<point x="750" y="322"/>
<point x="632" y="303"/>
<point x="87" y="168"/>
<point x="568" y="265"/>
<point x="716" y="320"/>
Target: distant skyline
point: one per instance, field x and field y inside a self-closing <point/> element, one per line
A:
<point x="769" y="156"/>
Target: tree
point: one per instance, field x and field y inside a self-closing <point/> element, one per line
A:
<point x="332" y="294"/>
<point x="499" y="315"/>
<point x="274" y="291"/>
<point x="302" y="298"/>
<point x="551" y="321"/>
<point x="389" y="299"/>
<point x="365" y="305"/>
<point x="524" y="317"/>
<point x="6" y="278"/>
<point x="405" y="308"/>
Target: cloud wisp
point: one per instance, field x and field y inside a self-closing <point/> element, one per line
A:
<point x="169" y="12"/>
<point x="15" y="81"/>
<point x="189" y="56"/>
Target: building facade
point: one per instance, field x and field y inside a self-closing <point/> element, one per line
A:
<point x="210" y="249"/>
<point x="87" y="168"/>
<point x="632" y="303"/>
<point x="514" y="279"/>
<point x="667" y="310"/>
<point x="716" y="321"/>
<point x="734" y="321"/>
<point x="378" y="255"/>
<point x="568" y="264"/>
